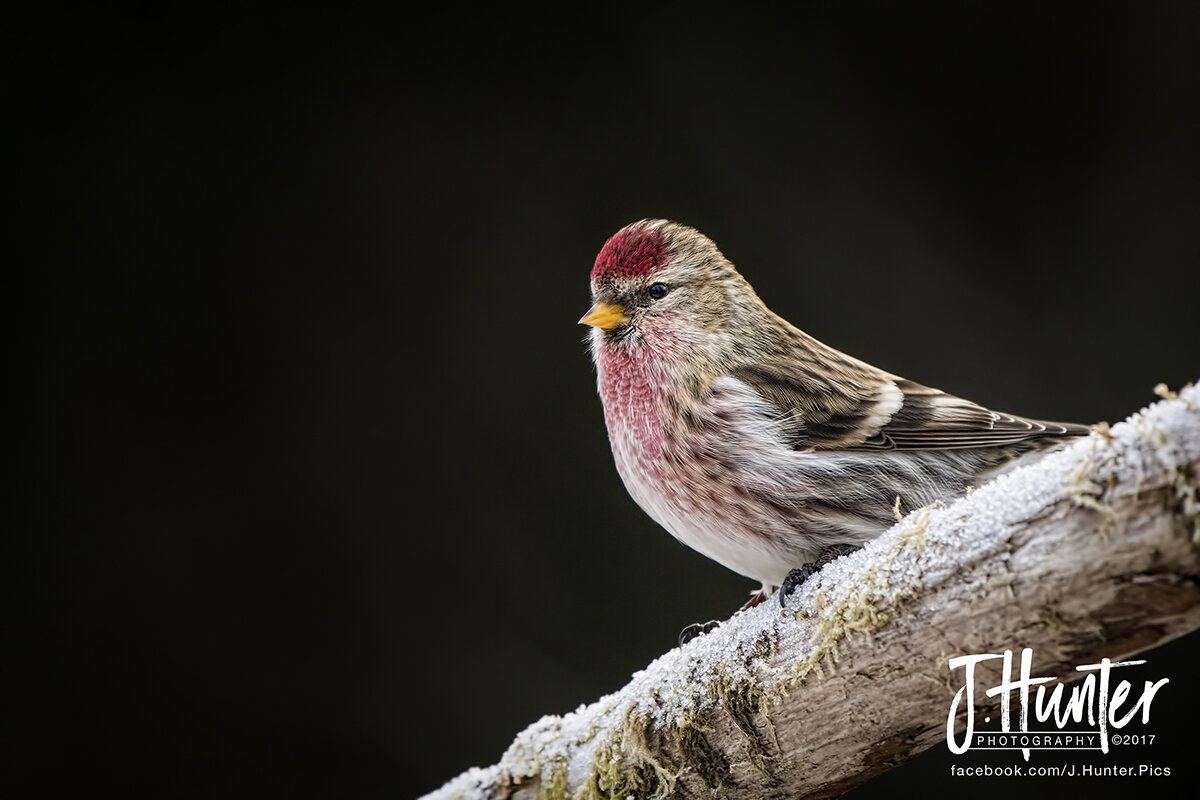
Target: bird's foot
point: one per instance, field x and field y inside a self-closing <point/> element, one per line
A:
<point x="696" y="629"/>
<point x="794" y="580"/>
<point x="799" y="575"/>
<point x="701" y="628"/>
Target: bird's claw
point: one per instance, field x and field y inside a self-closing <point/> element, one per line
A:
<point x="696" y="629"/>
<point x="795" y="578"/>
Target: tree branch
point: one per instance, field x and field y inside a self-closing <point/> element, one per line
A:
<point x="1091" y="552"/>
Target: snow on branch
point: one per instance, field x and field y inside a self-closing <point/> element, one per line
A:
<point x="1092" y="552"/>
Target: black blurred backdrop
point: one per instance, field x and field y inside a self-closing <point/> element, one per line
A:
<point x="321" y="497"/>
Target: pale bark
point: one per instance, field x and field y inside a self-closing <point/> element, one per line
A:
<point x="1099" y="558"/>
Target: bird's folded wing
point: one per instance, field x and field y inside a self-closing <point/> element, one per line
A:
<point x="855" y="407"/>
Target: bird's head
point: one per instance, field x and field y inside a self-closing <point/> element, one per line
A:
<point x="665" y="287"/>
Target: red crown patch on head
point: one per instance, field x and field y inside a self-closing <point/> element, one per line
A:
<point x="630" y="252"/>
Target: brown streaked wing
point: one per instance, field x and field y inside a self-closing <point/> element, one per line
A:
<point x="930" y="419"/>
<point x="844" y="412"/>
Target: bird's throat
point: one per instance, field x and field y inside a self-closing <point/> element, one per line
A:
<point x="633" y="388"/>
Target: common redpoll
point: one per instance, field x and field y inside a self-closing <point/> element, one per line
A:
<point x="749" y="440"/>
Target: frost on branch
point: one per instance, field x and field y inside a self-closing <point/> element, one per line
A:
<point x="1091" y="552"/>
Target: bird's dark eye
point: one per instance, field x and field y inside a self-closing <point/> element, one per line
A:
<point x="658" y="291"/>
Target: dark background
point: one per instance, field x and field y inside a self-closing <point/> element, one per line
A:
<point x="321" y="502"/>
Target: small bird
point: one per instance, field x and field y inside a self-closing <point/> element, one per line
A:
<point x="754" y="443"/>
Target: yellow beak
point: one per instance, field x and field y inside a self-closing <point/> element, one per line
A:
<point x="603" y="315"/>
